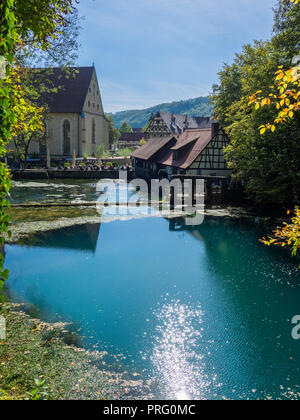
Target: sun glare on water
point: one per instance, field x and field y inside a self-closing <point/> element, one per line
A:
<point x="176" y="358"/>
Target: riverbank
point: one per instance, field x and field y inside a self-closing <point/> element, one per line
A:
<point x="36" y="352"/>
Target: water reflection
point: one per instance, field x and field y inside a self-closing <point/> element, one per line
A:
<point x="64" y="238"/>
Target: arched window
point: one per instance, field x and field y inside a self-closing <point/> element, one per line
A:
<point x="66" y="138"/>
<point x="93" y="131"/>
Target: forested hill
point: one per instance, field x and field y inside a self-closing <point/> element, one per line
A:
<point x="198" y="107"/>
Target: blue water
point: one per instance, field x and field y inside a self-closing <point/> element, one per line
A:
<point x="202" y="312"/>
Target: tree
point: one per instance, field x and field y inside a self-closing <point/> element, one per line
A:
<point x="284" y="94"/>
<point x="227" y="92"/>
<point x="23" y="24"/>
<point x="8" y="37"/>
<point x="269" y="165"/>
<point x="285" y="97"/>
<point x="62" y="51"/>
<point x="287" y="235"/>
<point x="114" y="133"/>
<point x="100" y="151"/>
<point x="125" y="128"/>
<point x="287" y="102"/>
<point x="29" y="118"/>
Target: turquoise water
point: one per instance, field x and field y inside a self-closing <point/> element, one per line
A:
<point x="202" y="312"/>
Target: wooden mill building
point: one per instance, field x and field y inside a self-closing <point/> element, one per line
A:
<point x="196" y="151"/>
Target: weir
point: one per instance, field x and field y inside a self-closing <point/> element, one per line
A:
<point x="216" y="187"/>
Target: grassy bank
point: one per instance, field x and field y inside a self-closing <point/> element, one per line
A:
<point x="36" y="363"/>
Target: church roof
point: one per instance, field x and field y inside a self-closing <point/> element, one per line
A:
<point x="72" y="86"/>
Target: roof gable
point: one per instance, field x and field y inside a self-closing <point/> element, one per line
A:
<point x="189" y="145"/>
<point x="178" y="123"/>
<point x="72" y="88"/>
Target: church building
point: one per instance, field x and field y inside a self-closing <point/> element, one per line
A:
<point x="75" y="119"/>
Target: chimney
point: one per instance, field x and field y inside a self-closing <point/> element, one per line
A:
<point x="215" y="128"/>
<point x="186" y="123"/>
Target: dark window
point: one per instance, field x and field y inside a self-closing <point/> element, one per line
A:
<point x="66" y="138"/>
<point x="93" y="132"/>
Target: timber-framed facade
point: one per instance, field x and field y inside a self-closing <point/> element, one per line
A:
<point x="194" y="152"/>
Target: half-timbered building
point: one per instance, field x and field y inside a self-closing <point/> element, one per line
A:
<point x="164" y="124"/>
<point x="195" y="152"/>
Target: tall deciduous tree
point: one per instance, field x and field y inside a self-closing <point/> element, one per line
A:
<point x="269" y="164"/>
<point x="114" y="133"/>
<point x="23" y="24"/>
<point x="125" y="128"/>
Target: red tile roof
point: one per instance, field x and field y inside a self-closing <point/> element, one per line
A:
<point x="152" y="146"/>
<point x="189" y="145"/>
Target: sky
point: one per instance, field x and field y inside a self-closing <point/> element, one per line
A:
<point x="148" y="52"/>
